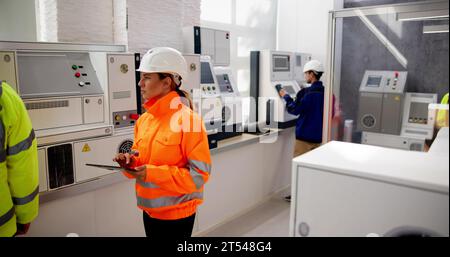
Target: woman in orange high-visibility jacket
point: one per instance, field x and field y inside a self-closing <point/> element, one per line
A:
<point x="170" y="152"/>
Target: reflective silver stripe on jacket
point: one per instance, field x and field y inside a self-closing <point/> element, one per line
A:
<point x="22" y="146"/>
<point x="167" y="201"/>
<point x="201" y="166"/>
<point x="26" y="199"/>
<point x="148" y="185"/>
<point x="197" y="177"/>
<point x="7" y="217"/>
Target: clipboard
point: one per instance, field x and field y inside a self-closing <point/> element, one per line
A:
<point x="109" y="167"/>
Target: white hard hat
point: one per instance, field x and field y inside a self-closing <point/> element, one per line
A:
<point x="164" y="60"/>
<point x="313" y="65"/>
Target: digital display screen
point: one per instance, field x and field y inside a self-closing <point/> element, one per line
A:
<point x="281" y="63"/>
<point x="206" y="74"/>
<point x="224" y="83"/>
<point x="374" y="81"/>
<point x="289" y="89"/>
<point x="418" y="113"/>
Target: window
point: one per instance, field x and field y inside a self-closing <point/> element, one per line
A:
<point x="252" y="26"/>
<point x="216" y="11"/>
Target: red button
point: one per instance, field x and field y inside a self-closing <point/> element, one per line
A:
<point x="396" y="74"/>
<point x="77" y="74"/>
<point x="134" y="116"/>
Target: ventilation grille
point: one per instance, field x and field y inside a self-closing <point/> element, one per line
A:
<point x="125" y="146"/>
<point x="368" y="121"/>
<point x="47" y="105"/>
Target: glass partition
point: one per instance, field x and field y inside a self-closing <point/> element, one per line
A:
<point x="389" y="74"/>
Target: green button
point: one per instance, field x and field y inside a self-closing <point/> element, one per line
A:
<point x="74" y="67"/>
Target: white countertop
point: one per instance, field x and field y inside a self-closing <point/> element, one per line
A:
<point x="415" y="169"/>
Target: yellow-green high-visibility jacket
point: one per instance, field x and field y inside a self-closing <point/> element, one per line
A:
<point x="19" y="174"/>
<point x="442" y="116"/>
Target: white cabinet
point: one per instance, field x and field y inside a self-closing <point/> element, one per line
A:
<point x="98" y="151"/>
<point x="93" y="108"/>
<point x="222" y="48"/>
<point x="343" y="189"/>
<point x="210" y="42"/>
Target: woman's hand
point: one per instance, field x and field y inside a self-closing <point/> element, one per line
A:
<point x="140" y="173"/>
<point x="125" y="160"/>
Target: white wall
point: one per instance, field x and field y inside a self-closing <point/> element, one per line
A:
<point x="303" y="26"/>
<point x="150" y="23"/>
<point x="120" y="22"/>
<point x="159" y="22"/>
<point x="47" y="29"/>
<point x="83" y="21"/>
<point x="15" y="27"/>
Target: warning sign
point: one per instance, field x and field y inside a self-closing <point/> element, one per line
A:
<point x="86" y="148"/>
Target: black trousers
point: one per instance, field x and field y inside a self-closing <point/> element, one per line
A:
<point x="181" y="228"/>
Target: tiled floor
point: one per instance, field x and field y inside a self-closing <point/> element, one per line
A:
<point x="270" y="219"/>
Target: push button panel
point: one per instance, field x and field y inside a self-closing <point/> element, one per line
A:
<point x="210" y="90"/>
<point x="125" y="119"/>
<point x="81" y="75"/>
<point x="384" y="82"/>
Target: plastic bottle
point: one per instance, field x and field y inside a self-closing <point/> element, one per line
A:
<point x="348" y="130"/>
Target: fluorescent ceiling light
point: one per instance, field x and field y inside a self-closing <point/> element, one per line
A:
<point x="435" y="29"/>
<point x="379" y="35"/>
<point x="420" y="16"/>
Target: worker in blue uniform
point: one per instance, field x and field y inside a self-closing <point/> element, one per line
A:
<point x="308" y="105"/>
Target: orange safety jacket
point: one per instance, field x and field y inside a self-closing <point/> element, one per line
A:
<point x="173" y="144"/>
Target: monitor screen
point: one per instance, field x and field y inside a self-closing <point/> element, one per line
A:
<point x="224" y="83"/>
<point x="206" y="74"/>
<point x="281" y="63"/>
<point x="289" y="89"/>
<point x="374" y="81"/>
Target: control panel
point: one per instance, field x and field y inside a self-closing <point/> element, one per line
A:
<point x="280" y="66"/>
<point x="209" y="86"/>
<point x="290" y="88"/>
<point x="381" y="98"/>
<point x="418" y="119"/>
<point x="125" y="118"/>
<point x="40" y="71"/>
<point x="224" y="84"/>
<point x="384" y="81"/>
